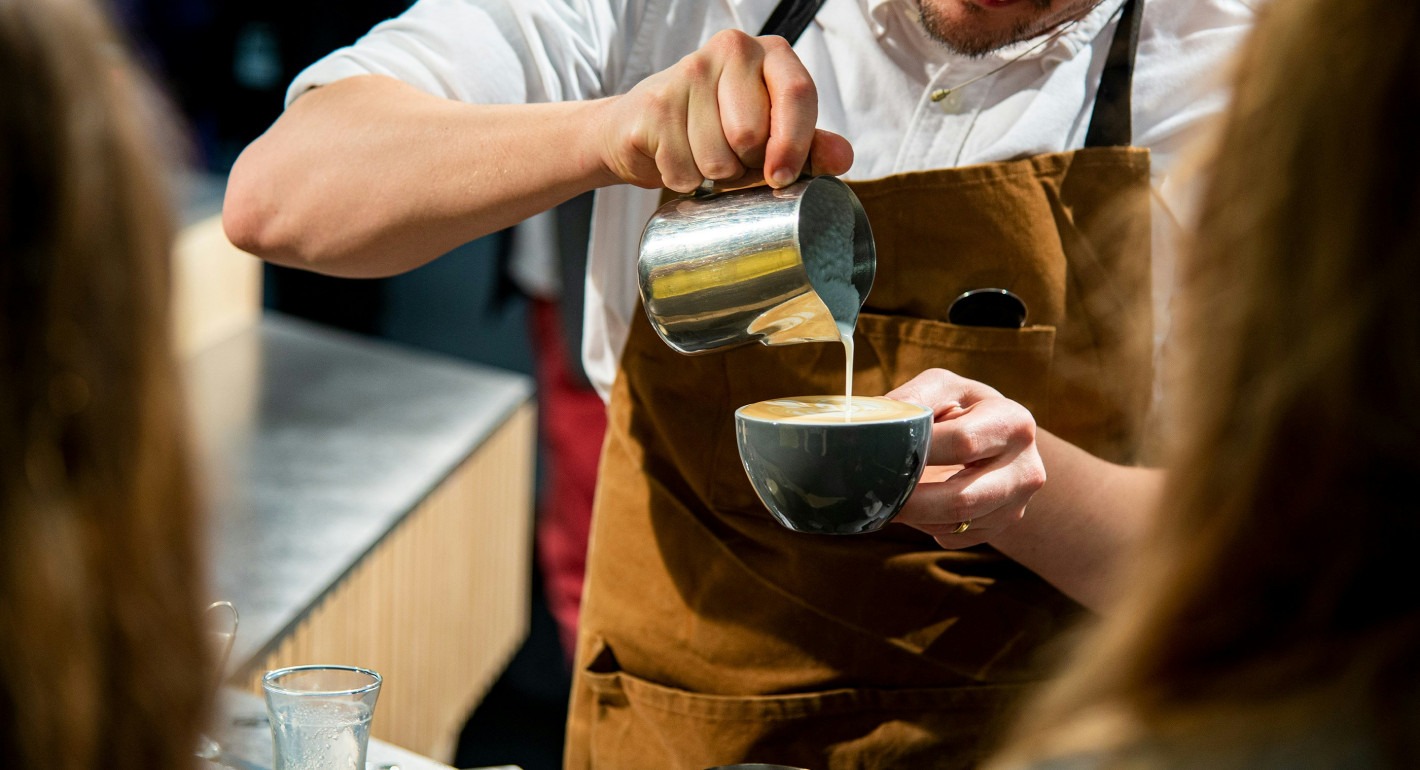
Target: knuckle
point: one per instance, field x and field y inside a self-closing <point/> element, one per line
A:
<point x="745" y="138"/>
<point x="799" y="90"/>
<point x="730" y="43"/>
<point x="675" y="172"/>
<point x="1023" y="417"/>
<point x="696" y="66"/>
<point x="969" y="502"/>
<point x="773" y="43"/>
<point x="681" y="183"/>
<point x="1019" y="429"/>
<point x="736" y="44"/>
<point x="1033" y="477"/>
<point x="975" y="505"/>
<point x="720" y="168"/>
<point x="959" y="506"/>
<point x="964" y="444"/>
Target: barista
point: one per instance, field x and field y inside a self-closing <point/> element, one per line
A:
<point x="993" y="146"/>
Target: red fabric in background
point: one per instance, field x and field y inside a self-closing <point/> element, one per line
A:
<point x="572" y="422"/>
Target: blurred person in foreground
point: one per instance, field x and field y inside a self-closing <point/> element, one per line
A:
<point x="1272" y="621"/>
<point x="101" y="648"/>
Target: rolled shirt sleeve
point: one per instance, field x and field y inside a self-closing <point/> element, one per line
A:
<point x="493" y="52"/>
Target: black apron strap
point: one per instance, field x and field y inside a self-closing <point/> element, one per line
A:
<point x="1112" y="124"/>
<point x="791" y="18"/>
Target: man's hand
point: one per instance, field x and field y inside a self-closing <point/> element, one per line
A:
<point x="740" y="103"/>
<point x="983" y="465"/>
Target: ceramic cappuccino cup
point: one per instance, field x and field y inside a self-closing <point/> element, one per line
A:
<point x="822" y="467"/>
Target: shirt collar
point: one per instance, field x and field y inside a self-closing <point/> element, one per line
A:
<point x="878" y="13"/>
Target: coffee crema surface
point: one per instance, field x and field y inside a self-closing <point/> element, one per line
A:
<point x="831" y="409"/>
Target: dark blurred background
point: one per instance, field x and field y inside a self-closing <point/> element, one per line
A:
<point x="226" y="66"/>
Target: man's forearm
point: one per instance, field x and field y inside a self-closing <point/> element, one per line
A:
<point x="369" y="176"/>
<point x="1079" y="525"/>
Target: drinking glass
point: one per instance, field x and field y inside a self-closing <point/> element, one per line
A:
<point x="320" y="715"/>
<point x="220" y="621"/>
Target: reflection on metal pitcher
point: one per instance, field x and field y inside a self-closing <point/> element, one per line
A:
<point x="757" y="265"/>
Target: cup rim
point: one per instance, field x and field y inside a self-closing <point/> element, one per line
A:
<point x="268" y="680"/>
<point x="739" y="412"/>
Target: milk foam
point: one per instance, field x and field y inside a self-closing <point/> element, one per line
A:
<point x="831" y="409"/>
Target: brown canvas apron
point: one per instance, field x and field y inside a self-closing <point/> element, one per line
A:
<point x="710" y="634"/>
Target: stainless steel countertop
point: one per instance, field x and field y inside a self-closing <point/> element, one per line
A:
<point x="313" y="445"/>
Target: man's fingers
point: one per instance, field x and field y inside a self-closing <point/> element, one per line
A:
<point x="992" y="440"/>
<point x="986" y="429"/>
<point x="970" y="495"/>
<point x="713" y="156"/>
<point x="665" y="117"/>
<point x="793" y="112"/>
<point x="676" y="162"/>
<point x="942" y="391"/>
<point x="830" y="154"/>
<point x="980" y="527"/>
<point x="739" y="106"/>
<point x="744" y="102"/>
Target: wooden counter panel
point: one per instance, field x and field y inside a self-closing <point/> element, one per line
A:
<point x="440" y="604"/>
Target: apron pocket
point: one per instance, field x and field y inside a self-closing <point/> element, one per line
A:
<point x="642" y="724"/>
<point x="893" y="349"/>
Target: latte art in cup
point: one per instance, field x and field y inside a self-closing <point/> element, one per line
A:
<point x="821" y="409"/>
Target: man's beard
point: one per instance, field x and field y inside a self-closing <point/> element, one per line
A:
<point x="976" y="43"/>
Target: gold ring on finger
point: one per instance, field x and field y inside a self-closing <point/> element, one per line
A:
<point x="961" y="527"/>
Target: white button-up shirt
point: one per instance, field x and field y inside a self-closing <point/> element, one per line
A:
<point x="875" y="68"/>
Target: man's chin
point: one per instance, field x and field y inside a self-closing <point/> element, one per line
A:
<point x="972" y="41"/>
<point x="968" y="29"/>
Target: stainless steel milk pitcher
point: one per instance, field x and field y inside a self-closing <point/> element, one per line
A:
<point x="725" y="268"/>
